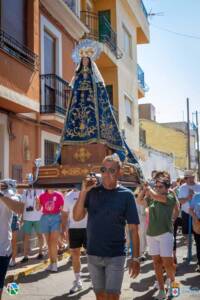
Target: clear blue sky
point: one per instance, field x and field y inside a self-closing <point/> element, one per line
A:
<point x="172" y="63"/>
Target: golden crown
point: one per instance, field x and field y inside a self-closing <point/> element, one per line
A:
<point x="86" y="48"/>
<point x="86" y="52"/>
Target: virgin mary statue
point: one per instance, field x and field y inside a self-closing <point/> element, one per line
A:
<point x="89" y="118"/>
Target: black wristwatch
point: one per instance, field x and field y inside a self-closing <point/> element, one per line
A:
<point x="1" y="194"/>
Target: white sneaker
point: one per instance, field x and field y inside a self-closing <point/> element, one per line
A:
<point x="156" y="285"/>
<point x="161" y="295"/>
<point x="168" y="283"/>
<point x="77" y="286"/>
<point x="12" y="263"/>
<point x="54" y="267"/>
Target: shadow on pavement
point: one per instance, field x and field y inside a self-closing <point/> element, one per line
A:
<point x="192" y="281"/>
<point x="73" y="297"/>
<point x="41" y="274"/>
<point x="143" y="284"/>
<point x="146" y="267"/>
<point x="147" y="296"/>
<point x="185" y="268"/>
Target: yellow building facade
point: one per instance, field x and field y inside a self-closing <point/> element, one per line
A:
<point x="168" y="140"/>
<point x="119" y="25"/>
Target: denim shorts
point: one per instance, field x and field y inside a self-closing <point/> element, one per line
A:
<point x="106" y="273"/>
<point x="50" y="223"/>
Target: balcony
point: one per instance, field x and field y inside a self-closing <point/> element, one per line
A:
<point x="15" y="49"/>
<point x="66" y="13"/>
<point x="106" y="36"/>
<point x="55" y="93"/>
<point x="142" y="86"/>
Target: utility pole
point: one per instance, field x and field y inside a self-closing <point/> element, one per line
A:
<point x="188" y="132"/>
<point x="197" y="133"/>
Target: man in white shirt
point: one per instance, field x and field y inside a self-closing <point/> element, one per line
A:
<point x="31" y="218"/>
<point x="8" y="205"/>
<point x="77" y="236"/>
<point x="185" y="195"/>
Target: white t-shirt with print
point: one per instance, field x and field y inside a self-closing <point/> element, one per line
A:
<point x="184" y="192"/>
<point x="70" y="200"/>
<point x="29" y="199"/>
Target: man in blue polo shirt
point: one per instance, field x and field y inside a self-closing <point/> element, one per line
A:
<point x="109" y="206"/>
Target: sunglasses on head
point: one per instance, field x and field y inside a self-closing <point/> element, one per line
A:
<point x="107" y="170"/>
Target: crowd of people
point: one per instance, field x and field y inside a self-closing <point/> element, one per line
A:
<point x="97" y="217"/>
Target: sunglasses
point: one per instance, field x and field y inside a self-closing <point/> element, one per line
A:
<point x="107" y="170"/>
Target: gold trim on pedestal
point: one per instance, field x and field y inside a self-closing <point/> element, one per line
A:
<point x="82" y="155"/>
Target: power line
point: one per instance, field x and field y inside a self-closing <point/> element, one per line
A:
<point x="176" y="33"/>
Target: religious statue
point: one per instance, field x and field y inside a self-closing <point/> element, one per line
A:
<point x="90" y="117"/>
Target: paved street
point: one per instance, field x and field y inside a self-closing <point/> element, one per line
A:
<point x="45" y="286"/>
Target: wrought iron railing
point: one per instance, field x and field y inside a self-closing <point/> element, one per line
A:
<point x="143" y="9"/>
<point x="55" y="93"/>
<point x="14" y="48"/>
<point x="107" y="35"/>
<point x="141" y="80"/>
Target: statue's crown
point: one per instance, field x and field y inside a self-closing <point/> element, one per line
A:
<point x="86" y="48"/>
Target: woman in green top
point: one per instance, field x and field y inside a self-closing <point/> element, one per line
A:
<point x="163" y="205"/>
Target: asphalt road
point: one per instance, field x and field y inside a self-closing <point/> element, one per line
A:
<point x="46" y="286"/>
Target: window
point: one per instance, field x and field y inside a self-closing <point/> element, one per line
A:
<point x="13" y="19"/>
<point x="128" y="107"/>
<point x="105" y="26"/>
<point x="49" y="146"/>
<point x="51" y="48"/>
<point x="127" y="42"/>
<point x="13" y="31"/>
<point x="50" y="151"/>
<point x="49" y="53"/>
<point x="142" y="135"/>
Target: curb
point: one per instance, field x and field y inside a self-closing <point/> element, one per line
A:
<point x="23" y="273"/>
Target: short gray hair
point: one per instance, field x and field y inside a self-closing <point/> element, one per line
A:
<point x="113" y="158"/>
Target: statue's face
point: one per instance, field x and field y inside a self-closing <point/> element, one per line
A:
<point x="85" y="61"/>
